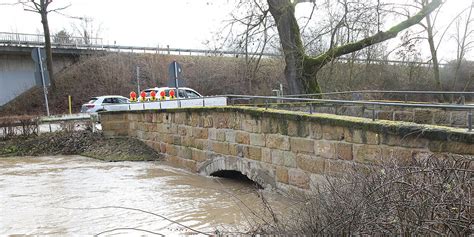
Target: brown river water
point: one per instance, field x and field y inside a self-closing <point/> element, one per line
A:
<point x="74" y="195"/>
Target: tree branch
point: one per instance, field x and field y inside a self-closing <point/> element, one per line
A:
<point x="377" y="38"/>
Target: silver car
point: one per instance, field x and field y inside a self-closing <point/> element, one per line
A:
<point x="100" y="103"/>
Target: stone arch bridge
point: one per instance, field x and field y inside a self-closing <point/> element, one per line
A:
<point x="280" y="149"/>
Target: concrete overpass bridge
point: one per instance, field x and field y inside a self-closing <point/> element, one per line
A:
<point x="280" y="149"/>
<point x="17" y="69"/>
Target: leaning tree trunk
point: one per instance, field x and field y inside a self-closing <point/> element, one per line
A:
<point x="301" y="79"/>
<point x="47" y="44"/>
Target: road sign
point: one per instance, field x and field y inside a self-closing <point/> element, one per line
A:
<point x="174" y="75"/>
<point x="39" y="57"/>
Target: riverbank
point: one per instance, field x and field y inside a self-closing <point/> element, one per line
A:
<point x="85" y="143"/>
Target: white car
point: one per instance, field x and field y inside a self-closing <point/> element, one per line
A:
<point x="183" y="92"/>
<point x="99" y="104"/>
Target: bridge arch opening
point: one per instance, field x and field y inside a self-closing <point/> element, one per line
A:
<point x="236" y="175"/>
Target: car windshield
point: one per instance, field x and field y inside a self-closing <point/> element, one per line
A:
<point x="92" y="100"/>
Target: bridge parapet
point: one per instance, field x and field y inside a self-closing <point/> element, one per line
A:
<point x="281" y="149"/>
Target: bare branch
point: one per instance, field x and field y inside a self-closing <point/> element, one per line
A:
<point x="377" y="38"/>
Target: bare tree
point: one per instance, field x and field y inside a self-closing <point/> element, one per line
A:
<point x="301" y="69"/>
<point x="42" y="7"/>
<point x="464" y="41"/>
<point x="88" y="31"/>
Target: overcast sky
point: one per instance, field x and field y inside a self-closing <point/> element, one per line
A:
<point x="178" y="23"/>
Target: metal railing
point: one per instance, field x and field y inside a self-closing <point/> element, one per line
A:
<point x="403" y="95"/>
<point x="37" y="39"/>
<point x="28" y="40"/>
<point x="267" y="100"/>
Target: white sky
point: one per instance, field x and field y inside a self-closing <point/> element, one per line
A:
<point x="178" y="23"/>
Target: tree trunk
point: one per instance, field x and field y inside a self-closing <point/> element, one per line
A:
<point x="283" y="11"/>
<point x="47" y="43"/>
<point x="434" y="56"/>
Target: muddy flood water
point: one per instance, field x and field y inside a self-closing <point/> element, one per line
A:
<point x="64" y="195"/>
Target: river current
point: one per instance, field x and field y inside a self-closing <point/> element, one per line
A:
<point x="75" y="195"/>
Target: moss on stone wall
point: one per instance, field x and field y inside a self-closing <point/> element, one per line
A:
<point x="398" y="128"/>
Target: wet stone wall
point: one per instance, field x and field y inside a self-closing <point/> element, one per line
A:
<point x="280" y="149"/>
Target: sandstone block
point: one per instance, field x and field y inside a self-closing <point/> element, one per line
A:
<point x="171" y="150"/>
<point x="257" y="139"/>
<point x="238" y="150"/>
<point x="220" y="147"/>
<point x="250" y="125"/>
<point x="277" y="141"/>
<point x="325" y="149"/>
<point x="367" y="153"/>
<point x="180" y="118"/>
<point x="184" y="152"/>
<point x="267" y="155"/>
<point x="242" y="137"/>
<point x="201" y="144"/>
<point x="336" y="168"/>
<point x="187" y="141"/>
<point x="155" y="119"/>
<point x="310" y="163"/>
<point x="282" y="174"/>
<point x="198" y="155"/>
<point x="269" y="125"/>
<point x="221" y="120"/>
<point x="344" y="151"/>
<point x="212" y="134"/>
<point x="220" y="135"/>
<point x="331" y="132"/>
<point x="230" y="135"/>
<point x="283" y="158"/>
<point x="315" y="131"/>
<point x="298" y="178"/>
<point x="176" y="139"/>
<point x="192" y="120"/>
<point x="255" y="153"/>
<point x="302" y="145"/>
<point x="298" y="129"/>
<point x="207" y="122"/>
<point x="200" y="133"/>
